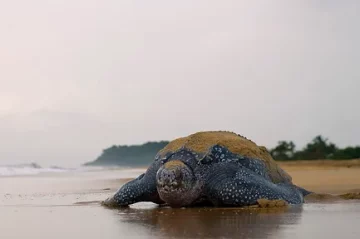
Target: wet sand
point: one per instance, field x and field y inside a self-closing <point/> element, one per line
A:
<point x="67" y="206"/>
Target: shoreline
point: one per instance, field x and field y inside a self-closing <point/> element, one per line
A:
<point x="320" y="163"/>
<point x="69" y="204"/>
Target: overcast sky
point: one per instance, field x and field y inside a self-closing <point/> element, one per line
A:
<point x="79" y="76"/>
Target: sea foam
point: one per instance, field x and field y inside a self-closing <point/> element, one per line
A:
<point x="28" y="169"/>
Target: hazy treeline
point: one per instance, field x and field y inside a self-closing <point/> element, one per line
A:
<point x="138" y="155"/>
<point x="141" y="155"/>
<point x="318" y="148"/>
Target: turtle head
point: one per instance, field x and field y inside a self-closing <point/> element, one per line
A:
<point x="176" y="184"/>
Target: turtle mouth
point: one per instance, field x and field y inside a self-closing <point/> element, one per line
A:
<point x="166" y="191"/>
<point x="174" y="183"/>
<point x="169" y="186"/>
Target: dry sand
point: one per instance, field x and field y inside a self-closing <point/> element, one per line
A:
<point x="325" y="176"/>
<point x="67" y="206"/>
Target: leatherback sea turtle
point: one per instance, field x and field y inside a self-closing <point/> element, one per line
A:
<point x="216" y="168"/>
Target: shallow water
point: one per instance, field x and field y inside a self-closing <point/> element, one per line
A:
<point x="308" y="221"/>
<point x="145" y="221"/>
<point x="67" y="207"/>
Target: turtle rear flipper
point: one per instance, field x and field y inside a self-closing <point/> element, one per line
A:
<point x="325" y="197"/>
<point x="303" y="191"/>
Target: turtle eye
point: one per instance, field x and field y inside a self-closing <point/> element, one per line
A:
<point x="166" y="158"/>
<point x="163" y="160"/>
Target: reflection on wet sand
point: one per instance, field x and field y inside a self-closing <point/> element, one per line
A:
<point x="211" y="222"/>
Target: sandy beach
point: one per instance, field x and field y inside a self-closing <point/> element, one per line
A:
<point x="66" y="205"/>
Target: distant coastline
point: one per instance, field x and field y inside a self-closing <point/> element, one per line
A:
<point x="124" y="155"/>
<point x="142" y="155"/>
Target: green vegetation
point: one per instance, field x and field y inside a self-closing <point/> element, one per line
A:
<point x="135" y="155"/>
<point x="318" y="148"/>
<point x="142" y="155"/>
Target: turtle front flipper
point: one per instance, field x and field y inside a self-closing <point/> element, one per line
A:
<point x="228" y="185"/>
<point x="139" y="189"/>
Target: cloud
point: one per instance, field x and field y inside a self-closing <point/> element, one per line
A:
<point x="137" y="71"/>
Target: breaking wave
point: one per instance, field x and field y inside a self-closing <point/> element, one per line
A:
<point x="28" y="169"/>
